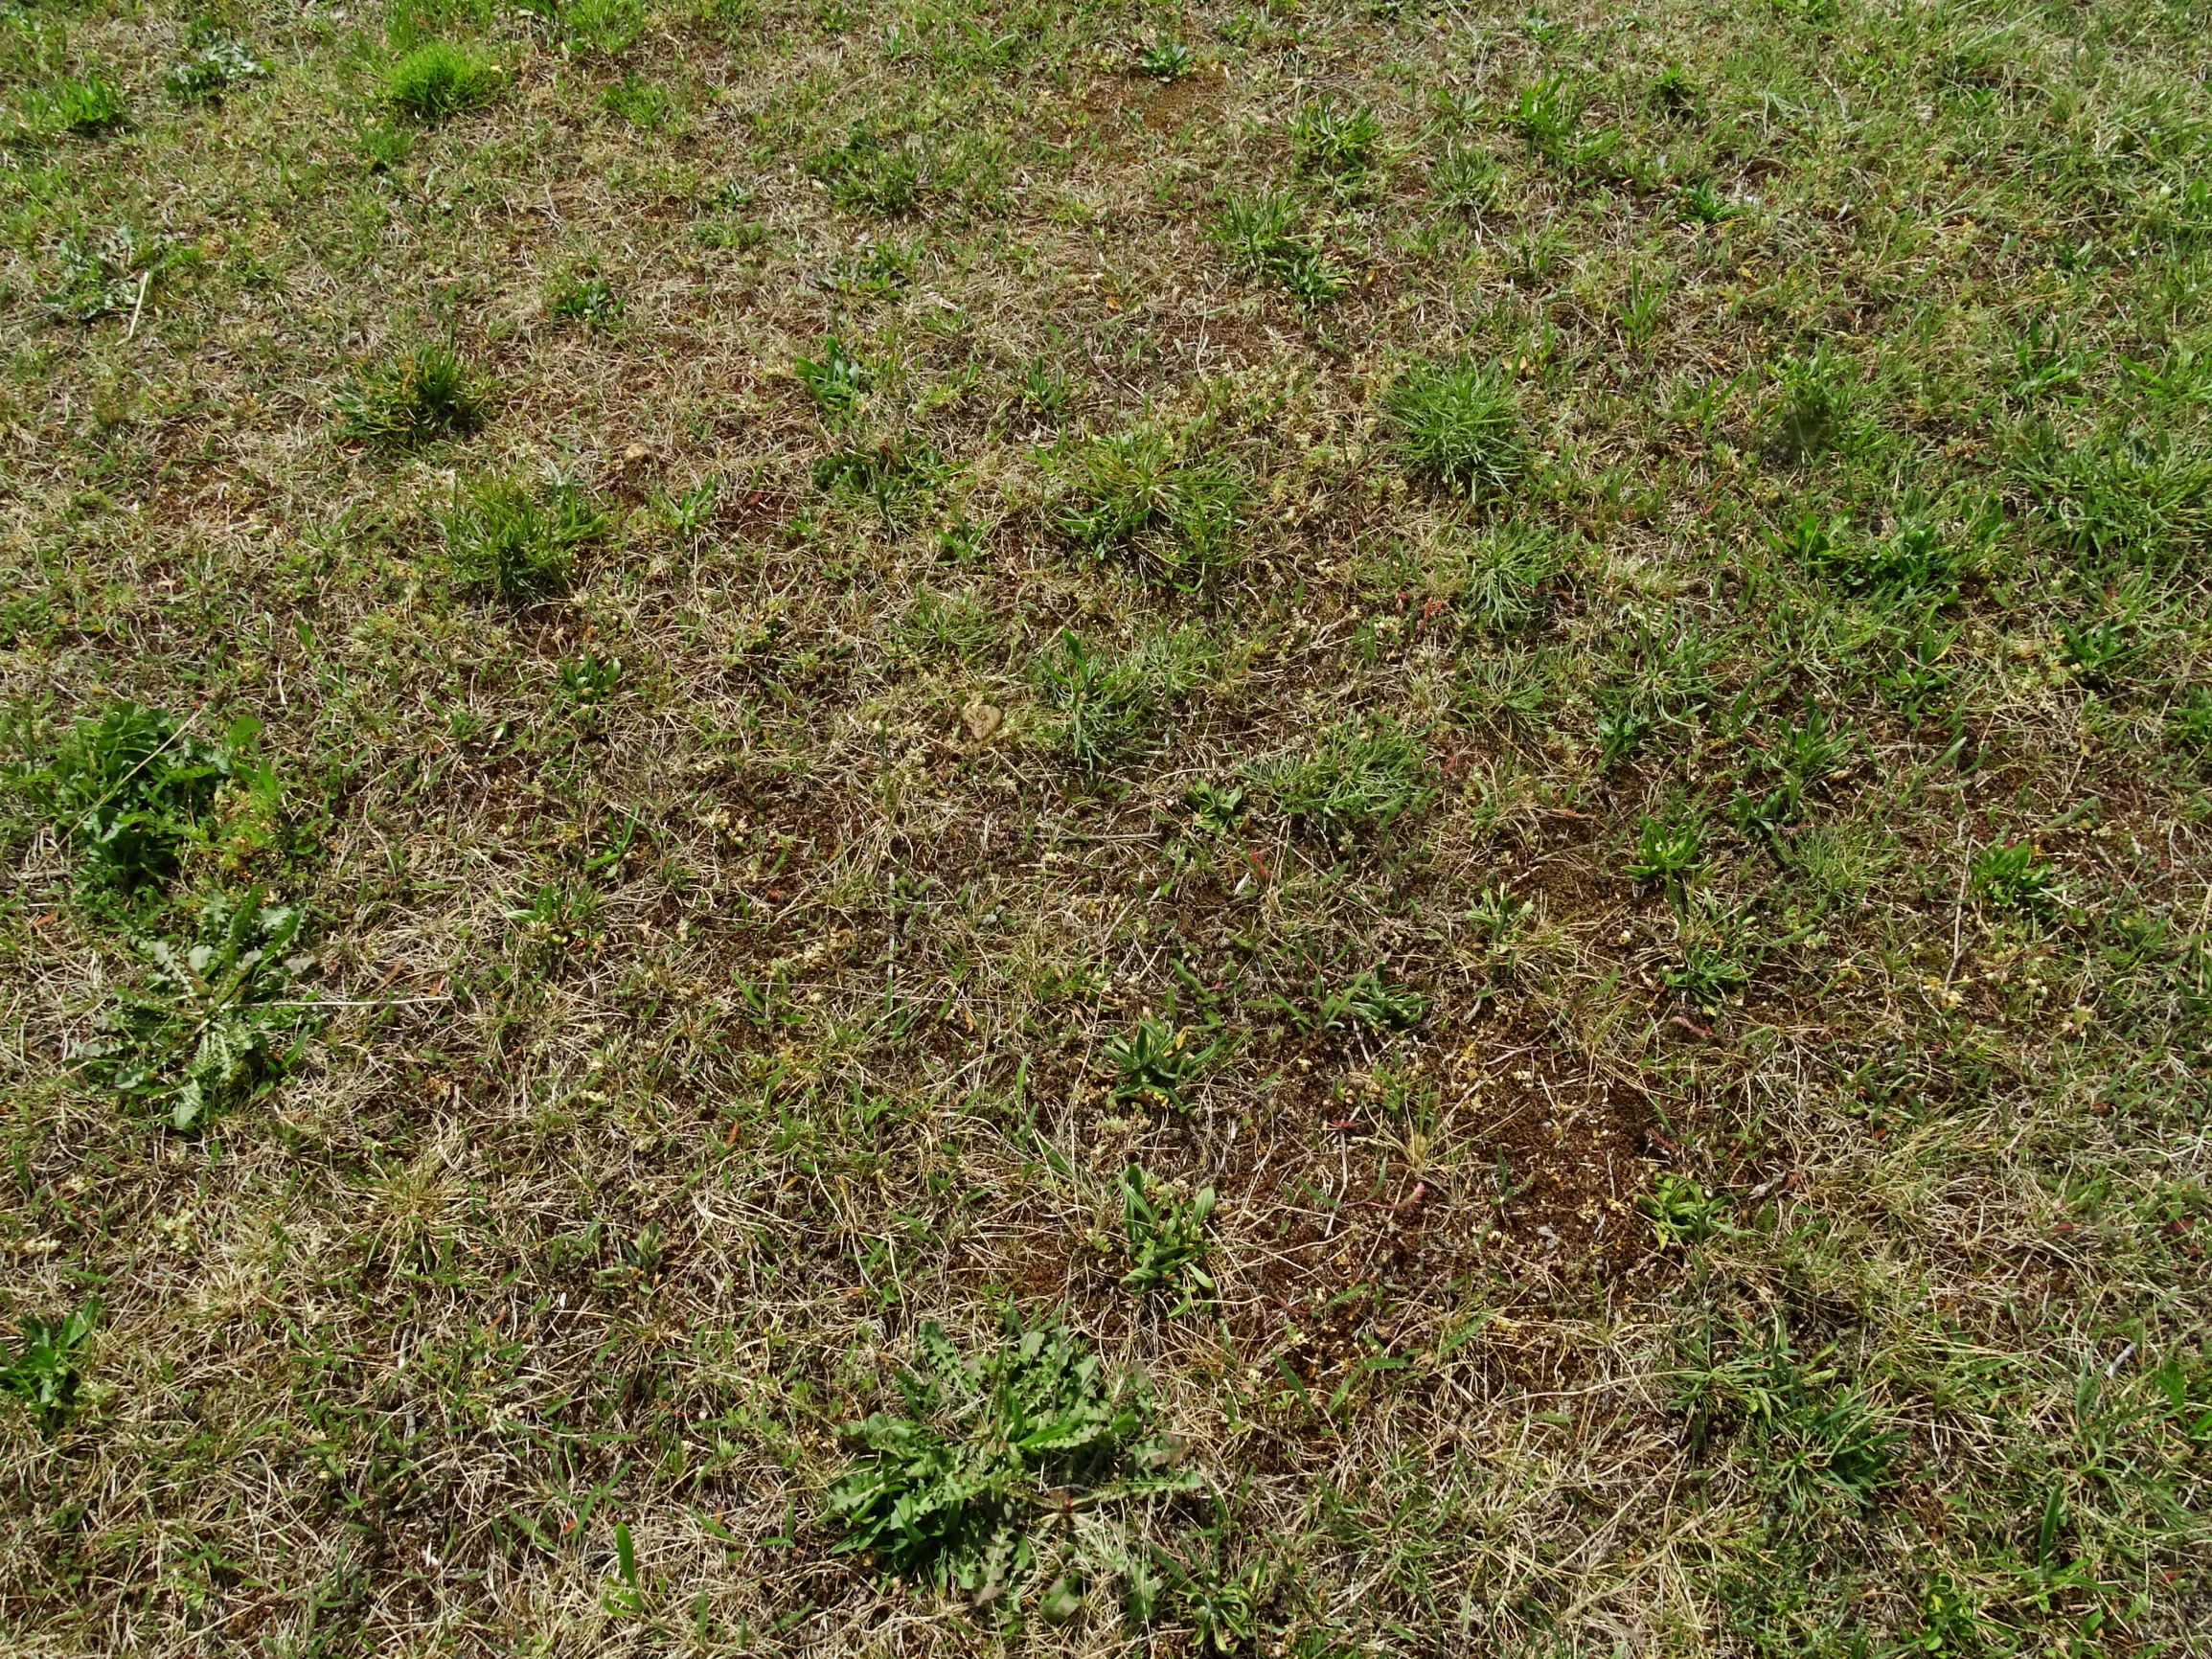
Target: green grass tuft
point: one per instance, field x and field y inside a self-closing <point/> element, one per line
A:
<point x="414" y="397"/>
<point x="1135" y="491"/>
<point x="1457" y="424"/>
<point x="1359" y="777"/>
<point x="437" y="80"/>
<point x="509" y="542"/>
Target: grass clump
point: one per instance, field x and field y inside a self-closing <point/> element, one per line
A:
<point x="1358" y="778"/>
<point x="127" y="791"/>
<point x="1466" y="178"/>
<point x="512" y="543"/>
<point x="1264" y="240"/>
<point x="212" y="1026"/>
<point x="1505" y="579"/>
<point x="958" y="1487"/>
<point x="1336" y="142"/>
<point x="644" y="103"/>
<point x="870" y="173"/>
<point x="1106" y="709"/>
<point x="415" y="396"/>
<point x="1818" y="1450"/>
<point x="1135" y="491"/>
<point x="605" y="27"/>
<point x="437" y="80"/>
<point x="1458" y="426"/>
<point x="897" y="477"/>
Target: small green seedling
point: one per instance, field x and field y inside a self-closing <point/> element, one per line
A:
<point x="586" y="682"/>
<point x="587" y="298"/>
<point x="1369" y="1002"/>
<point x="2097" y="650"/>
<point x="1216" y="808"/>
<point x="1500" y="917"/>
<point x="2013" y="877"/>
<point x="1165" y="58"/>
<point x="2189" y="727"/>
<point x="1683" y="1212"/>
<point x="45" y="1371"/>
<point x="625" y="1599"/>
<point x="1667" y="851"/>
<point x="1165" y="1239"/>
<point x="838" y="379"/>
<point x="1156" y="1062"/>
<point x="690" y="513"/>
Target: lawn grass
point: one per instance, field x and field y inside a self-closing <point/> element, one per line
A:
<point x="1310" y="829"/>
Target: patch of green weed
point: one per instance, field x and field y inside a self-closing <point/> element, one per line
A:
<point x="211" y="1025"/>
<point x="957" y="1488"/>
<point x="126" y="790"/>
<point x="45" y="1370"/>
<point x="215" y="63"/>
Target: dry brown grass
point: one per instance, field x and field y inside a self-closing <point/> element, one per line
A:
<point x="558" y="1225"/>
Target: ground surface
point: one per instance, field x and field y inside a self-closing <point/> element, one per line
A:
<point x="1562" y="654"/>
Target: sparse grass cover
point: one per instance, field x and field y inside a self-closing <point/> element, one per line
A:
<point x="1297" y="829"/>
